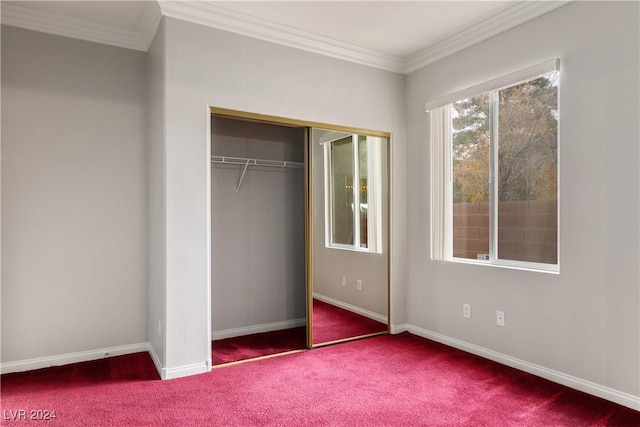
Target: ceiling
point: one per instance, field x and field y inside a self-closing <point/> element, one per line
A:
<point x="396" y="28"/>
<point x="399" y="36"/>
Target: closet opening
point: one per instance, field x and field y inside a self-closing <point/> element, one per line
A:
<point x="258" y="262"/>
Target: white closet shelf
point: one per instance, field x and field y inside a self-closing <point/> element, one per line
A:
<point x="256" y="162"/>
<point x="246" y="162"/>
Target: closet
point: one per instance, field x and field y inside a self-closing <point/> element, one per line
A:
<point x="258" y="281"/>
<point x="300" y="235"/>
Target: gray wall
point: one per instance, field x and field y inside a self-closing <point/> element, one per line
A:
<point x="74" y="203"/>
<point x="585" y="321"/>
<point x="156" y="82"/>
<point x="258" y="232"/>
<point x="206" y="67"/>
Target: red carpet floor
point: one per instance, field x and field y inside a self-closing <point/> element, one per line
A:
<point x="390" y="380"/>
<point x="331" y="323"/>
<point x="256" y="345"/>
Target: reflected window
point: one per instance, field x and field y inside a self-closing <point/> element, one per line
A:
<point x="354" y="177"/>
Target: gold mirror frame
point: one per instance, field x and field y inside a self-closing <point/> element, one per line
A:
<point x="308" y="125"/>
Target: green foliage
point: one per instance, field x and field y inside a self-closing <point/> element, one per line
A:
<point x="527" y="143"/>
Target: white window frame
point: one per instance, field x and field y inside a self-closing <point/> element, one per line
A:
<point x="442" y="169"/>
<point x="374" y="191"/>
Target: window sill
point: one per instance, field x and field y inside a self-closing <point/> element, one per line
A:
<point x="352" y="249"/>
<point x="532" y="267"/>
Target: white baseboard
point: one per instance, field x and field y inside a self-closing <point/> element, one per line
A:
<point x="65" y="359"/>
<point x="398" y="329"/>
<point x="352" y="308"/>
<point x="184" y="371"/>
<point x="257" y="329"/>
<point x="156" y="361"/>
<point x="619" y="397"/>
<point x="180" y="371"/>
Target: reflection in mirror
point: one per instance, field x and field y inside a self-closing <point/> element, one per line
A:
<point x="350" y="269"/>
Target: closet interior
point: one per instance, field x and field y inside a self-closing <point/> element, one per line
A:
<point x="258" y="274"/>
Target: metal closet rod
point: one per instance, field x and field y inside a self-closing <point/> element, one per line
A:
<point x="244" y="161"/>
<point x="256" y="162"/>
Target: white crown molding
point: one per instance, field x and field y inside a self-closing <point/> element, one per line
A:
<point x="149" y="22"/>
<point x="210" y="15"/>
<point x="29" y="19"/>
<point x="224" y="19"/>
<point x="509" y="18"/>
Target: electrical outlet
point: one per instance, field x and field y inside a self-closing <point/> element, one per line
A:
<point x="500" y="318"/>
<point x="344" y="280"/>
<point x="359" y="285"/>
<point x="466" y="311"/>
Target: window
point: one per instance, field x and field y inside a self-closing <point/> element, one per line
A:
<point x="354" y="205"/>
<point x="495" y="175"/>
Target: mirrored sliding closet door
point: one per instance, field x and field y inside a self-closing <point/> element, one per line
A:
<point x="349" y="283"/>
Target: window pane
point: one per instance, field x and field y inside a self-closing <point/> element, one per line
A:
<point x="364" y="206"/>
<point x="528" y="171"/>
<point x="470" y="156"/>
<point x="342" y="165"/>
